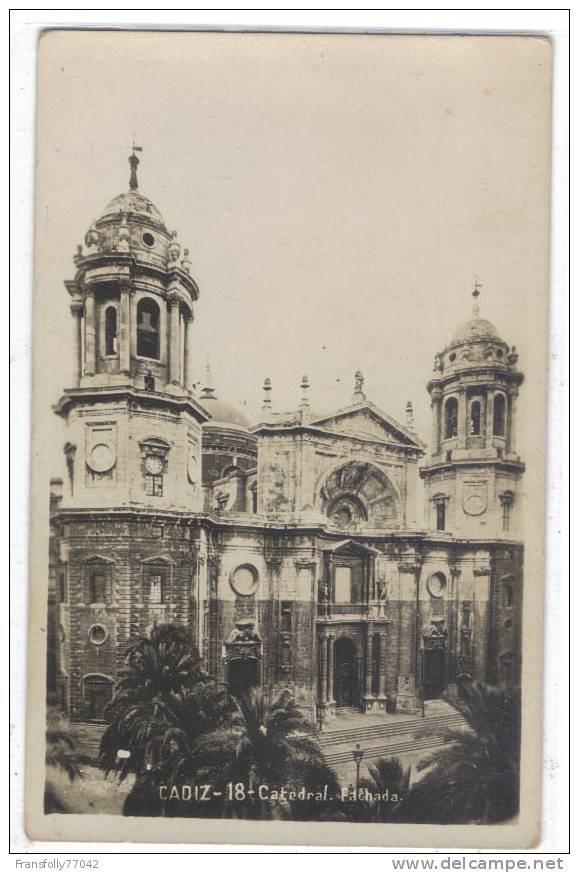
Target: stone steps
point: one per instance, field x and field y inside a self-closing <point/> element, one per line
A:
<point x="385" y="751"/>
<point x="355" y="733"/>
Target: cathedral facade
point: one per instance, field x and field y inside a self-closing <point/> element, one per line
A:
<point x="292" y="548"/>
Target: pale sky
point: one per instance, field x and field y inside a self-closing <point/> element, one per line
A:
<point x="337" y="195"/>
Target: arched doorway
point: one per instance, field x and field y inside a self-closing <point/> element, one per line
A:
<point x="242" y="676"/>
<point x="434" y="678"/>
<point x="345" y="672"/>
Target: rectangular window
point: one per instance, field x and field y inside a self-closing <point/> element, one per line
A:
<point x="154" y="485"/>
<point x="286" y="617"/>
<point x="343" y="585"/>
<point x="506" y="516"/>
<point x="157" y="594"/>
<point x="440" y="515"/>
<point x="508" y="594"/>
<point x="98" y="586"/>
<point x="62" y="586"/>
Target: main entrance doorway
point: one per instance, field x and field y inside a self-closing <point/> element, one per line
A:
<point x="242" y="676"/>
<point x="434" y="673"/>
<point x="345" y="672"/>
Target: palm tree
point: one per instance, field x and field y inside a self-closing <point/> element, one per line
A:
<point x="161" y="683"/>
<point x="475" y="777"/>
<point x="275" y="746"/>
<point x="60" y="755"/>
<point x="386" y="776"/>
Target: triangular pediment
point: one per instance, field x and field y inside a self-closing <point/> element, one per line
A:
<point x="369" y="422"/>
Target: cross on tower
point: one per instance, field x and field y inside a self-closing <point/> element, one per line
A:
<point x="134" y="163"/>
<point x="476" y="294"/>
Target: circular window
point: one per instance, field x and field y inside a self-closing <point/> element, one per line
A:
<point x="452" y="357"/>
<point x="148" y="239"/>
<point x="436" y="585"/>
<point x="244" y="580"/>
<point x="97" y="634"/>
<point x="508" y="624"/>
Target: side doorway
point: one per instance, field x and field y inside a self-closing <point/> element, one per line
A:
<point x="346" y="669"/>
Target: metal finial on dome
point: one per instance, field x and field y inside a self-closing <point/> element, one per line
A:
<point x="410" y="416"/>
<point x="208" y="391"/>
<point x="305" y="385"/>
<point x="476" y="295"/>
<point x="134" y="163"/>
<point x="267" y="395"/>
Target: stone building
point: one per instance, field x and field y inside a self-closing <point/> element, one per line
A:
<point x="291" y="548"/>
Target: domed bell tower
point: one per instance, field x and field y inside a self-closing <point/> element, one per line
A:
<point x="473" y="472"/>
<point x="134" y="434"/>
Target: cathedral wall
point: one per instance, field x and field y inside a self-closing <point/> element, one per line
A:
<point x="281" y="606"/>
<point x="292" y="469"/>
<point x="120" y="562"/>
<point x="122" y="431"/>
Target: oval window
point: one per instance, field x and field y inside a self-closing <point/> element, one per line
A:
<point x="436" y="585"/>
<point x="148" y="239"/>
<point x="244" y="580"/>
<point x="97" y="634"/>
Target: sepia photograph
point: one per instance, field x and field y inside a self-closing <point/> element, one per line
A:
<point x="289" y="438"/>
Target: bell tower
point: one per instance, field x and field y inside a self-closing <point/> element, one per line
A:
<point x="134" y="428"/>
<point x="473" y="472"/>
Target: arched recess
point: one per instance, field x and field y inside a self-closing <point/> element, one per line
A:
<point x="97" y="691"/>
<point x="358" y="493"/>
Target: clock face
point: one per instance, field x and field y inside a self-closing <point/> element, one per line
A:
<point x="154" y="465"/>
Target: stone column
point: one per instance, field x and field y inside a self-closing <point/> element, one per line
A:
<point x="368" y="696"/>
<point x="89" y="335"/>
<point x="453" y="629"/>
<point x="330" y="685"/>
<point x="435" y="401"/>
<point x="511" y="422"/>
<point x="462" y="416"/>
<point x="133" y="326"/>
<point x="77" y="311"/>
<point x="489" y="416"/>
<point x="408" y="635"/>
<point x="480" y="622"/>
<point x="125" y="329"/>
<point x="188" y="377"/>
<point x="174" y="341"/>
<point x="382" y="672"/>
<point x="323" y="656"/>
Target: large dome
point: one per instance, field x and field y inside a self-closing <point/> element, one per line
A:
<point x="475" y="328"/>
<point x="223" y="413"/>
<point x="136" y="203"/>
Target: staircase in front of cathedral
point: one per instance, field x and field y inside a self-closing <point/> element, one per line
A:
<point x="388" y="735"/>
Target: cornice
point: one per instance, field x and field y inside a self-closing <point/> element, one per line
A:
<point x="79" y="396"/>
<point x="499" y="463"/>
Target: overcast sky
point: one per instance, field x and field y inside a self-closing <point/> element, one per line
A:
<point x="337" y="195"/>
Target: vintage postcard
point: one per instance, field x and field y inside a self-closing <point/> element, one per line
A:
<point x="289" y="438"/>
